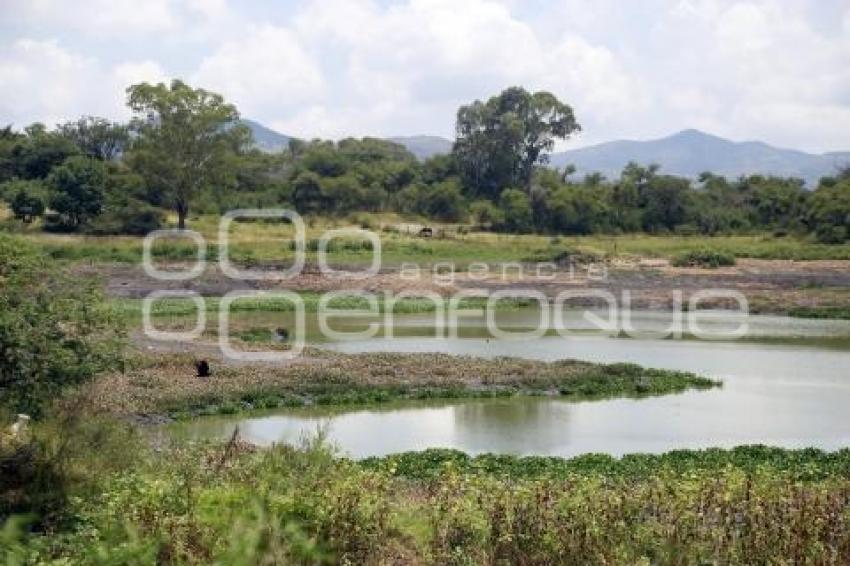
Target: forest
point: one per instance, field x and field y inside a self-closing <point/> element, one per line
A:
<point x="186" y="151"/>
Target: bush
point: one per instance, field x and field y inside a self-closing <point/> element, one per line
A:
<point x="56" y="331"/>
<point x="77" y="190"/>
<point x="703" y="258"/>
<point x="516" y="208"/>
<point x="485" y="214"/>
<point x="135" y="219"/>
<point x="828" y="234"/>
<point x="26" y="198"/>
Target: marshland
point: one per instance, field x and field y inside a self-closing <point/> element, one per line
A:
<point x="540" y="368"/>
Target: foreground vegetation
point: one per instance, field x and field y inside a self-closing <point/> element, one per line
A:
<point x="233" y="504"/>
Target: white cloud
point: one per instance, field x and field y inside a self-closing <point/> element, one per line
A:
<point x="266" y="73"/>
<point x="130" y="73"/>
<point x="779" y="71"/>
<point x="42" y="81"/>
<point x="108" y="17"/>
<point x="408" y="67"/>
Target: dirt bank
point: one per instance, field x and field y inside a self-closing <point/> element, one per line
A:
<point x="771" y="286"/>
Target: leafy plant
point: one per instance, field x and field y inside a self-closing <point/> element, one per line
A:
<point x="705" y="257"/>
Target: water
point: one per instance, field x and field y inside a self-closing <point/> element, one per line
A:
<point x="787" y="384"/>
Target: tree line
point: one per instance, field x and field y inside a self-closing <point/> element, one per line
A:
<point x="186" y="150"/>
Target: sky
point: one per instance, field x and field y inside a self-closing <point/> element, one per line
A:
<point x="776" y="71"/>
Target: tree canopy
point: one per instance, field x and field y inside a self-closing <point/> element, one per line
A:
<point x="185" y="140"/>
<point x="499" y="142"/>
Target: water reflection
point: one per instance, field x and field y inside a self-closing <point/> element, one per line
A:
<point x="792" y="394"/>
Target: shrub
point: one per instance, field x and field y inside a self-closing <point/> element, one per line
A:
<point x="77" y="193"/>
<point x="26" y="198"/>
<point x="55" y="331"/>
<point x="135" y="219"/>
<point x="703" y="258"/>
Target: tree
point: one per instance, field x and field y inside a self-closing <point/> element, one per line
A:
<point x="501" y="141"/>
<point x="97" y="137"/>
<point x="485" y="213"/>
<point x="578" y="210"/>
<point x="829" y="212"/>
<point x="27" y="205"/>
<point x="773" y="201"/>
<point x="186" y="139"/>
<point x="517" y="210"/>
<point x="307" y="195"/>
<point x="664" y="200"/>
<point x="56" y="330"/>
<point x="35" y="153"/>
<point x="77" y="190"/>
<point x="444" y="201"/>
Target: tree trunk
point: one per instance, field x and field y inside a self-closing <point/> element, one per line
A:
<point x="182" y="212"/>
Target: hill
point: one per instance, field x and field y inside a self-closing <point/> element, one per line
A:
<point x="266" y="138"/>
<point x="424" y="147"/>
<point x="690" y="152"/>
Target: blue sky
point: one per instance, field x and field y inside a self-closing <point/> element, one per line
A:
<point x="778" y="71"/>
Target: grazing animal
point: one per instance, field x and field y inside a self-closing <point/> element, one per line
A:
<point x="20" y="425"/>
<point x="426" y="232"/>
<point x="281" y="334"/>
<point x="203" y="368"/>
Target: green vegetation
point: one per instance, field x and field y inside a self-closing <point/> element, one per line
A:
<point x="83" y="485"/>
<point x="55" y="332"/>
<point x="803" y="465"/>
<point x="258" y="242"/>
<point x="175" y="307"/>
<point x="823" y="312"/>
<point x="98" y="178"/>
<point x="233" y="504"/>
<point x="166" y="385"/>
<point x="185" y="140"/>
<point x="703" y="258"/>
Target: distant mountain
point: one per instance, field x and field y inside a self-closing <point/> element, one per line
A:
<point x="690" y="152"/>
<point x="265" y="138"/>
<point x="424" y="147"/>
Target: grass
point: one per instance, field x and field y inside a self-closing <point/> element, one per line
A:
<point x="166" y="385"/>
<point x="821" y="312"/>
<point x="802" y="302"/>
<point x="703" y="257"/>
<point x="253" y="242"/>
<point x="232" y="504"/>
<point x="808" y="464"/>
<point x="132" y="308"/>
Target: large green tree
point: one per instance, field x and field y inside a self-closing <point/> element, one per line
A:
<point x="186" y="140"/>
<point x="499" y="142"/>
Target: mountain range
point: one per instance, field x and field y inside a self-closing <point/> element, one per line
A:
<point x="687" y="153"/>
<point x="690" y="152"/>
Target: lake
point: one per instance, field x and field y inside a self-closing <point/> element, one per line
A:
<point x="787" y="383"/>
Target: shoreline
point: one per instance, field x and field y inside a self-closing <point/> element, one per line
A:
<point x="155" y="387"/>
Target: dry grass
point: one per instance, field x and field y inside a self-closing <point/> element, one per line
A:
<point x="166" y="384"/>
